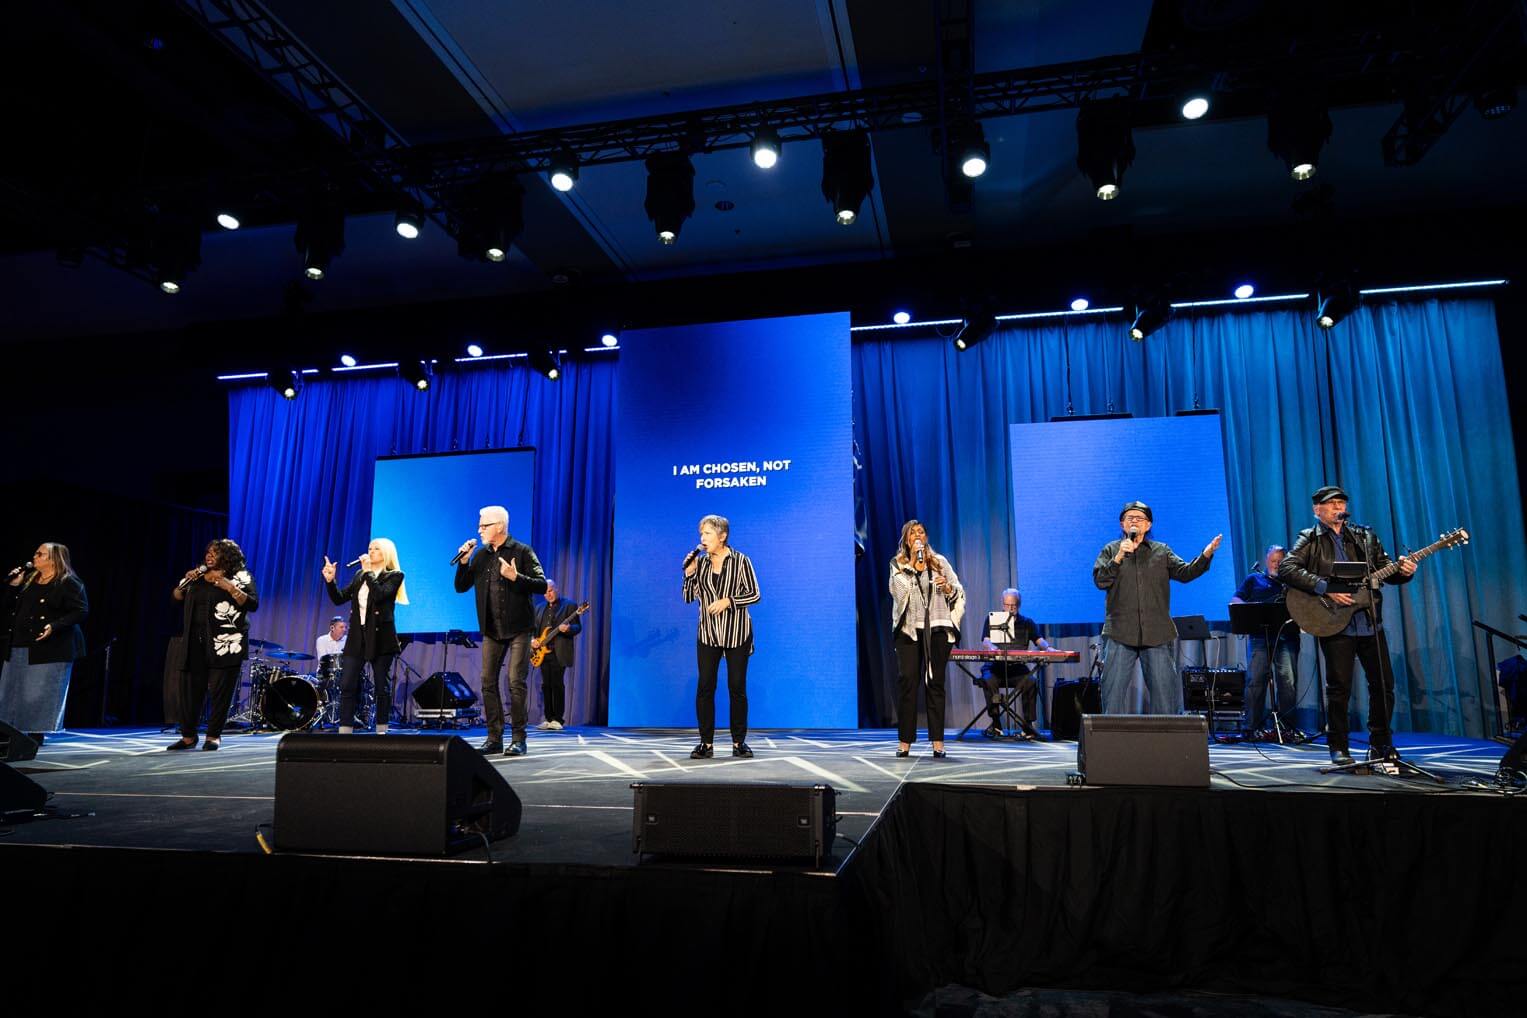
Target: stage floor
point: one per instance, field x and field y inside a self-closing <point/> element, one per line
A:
<point x="119" y="788"/>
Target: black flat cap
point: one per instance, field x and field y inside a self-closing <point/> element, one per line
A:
<point x="1327" y="493"/>
<point x="1137" y="505"/>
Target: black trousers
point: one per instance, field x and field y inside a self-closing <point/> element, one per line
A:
<point x="553" y="693"/>
<point x="350" y="673"/>
<point x="517" y="648"/>
<point x="196" y="681"/>
<point x="709" y="659"/>
<point x="1028" y="693"/>
<point x="1340" y="652"/>
<point x="910" y="667"/>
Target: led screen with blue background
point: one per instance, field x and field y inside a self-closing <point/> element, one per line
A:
<point x="1071" y="478"/>
<point x="428" y="506"/>
<point x="757" y="392"/>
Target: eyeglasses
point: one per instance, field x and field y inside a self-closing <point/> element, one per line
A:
<point x="486" y="526"/>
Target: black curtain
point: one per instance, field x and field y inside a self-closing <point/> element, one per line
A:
<point x="129" y="553"/>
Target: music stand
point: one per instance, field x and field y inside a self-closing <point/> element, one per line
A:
<point x="1265" y="619"/>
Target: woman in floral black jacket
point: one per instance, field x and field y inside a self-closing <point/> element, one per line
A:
<point x="219" y="596"/>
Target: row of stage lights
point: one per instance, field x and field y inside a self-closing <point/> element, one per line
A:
<point x="1330" y="308"/>
<point x="491" y="212"/>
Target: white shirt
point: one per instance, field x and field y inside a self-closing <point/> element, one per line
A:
<point x="328" y="645"/>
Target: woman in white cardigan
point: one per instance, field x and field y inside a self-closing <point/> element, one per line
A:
<point x="927" y="604"/>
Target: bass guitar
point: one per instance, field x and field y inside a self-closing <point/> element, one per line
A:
<point x="1318" y="615"/>
<point x="539" y="654"/>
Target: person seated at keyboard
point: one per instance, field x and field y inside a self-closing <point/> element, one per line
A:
<point x="1008" y="630"/>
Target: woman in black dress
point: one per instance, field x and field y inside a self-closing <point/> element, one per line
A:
<point x="373" y="638"/>
<point x="219" y="596"/>
<point x="41" y="607"/>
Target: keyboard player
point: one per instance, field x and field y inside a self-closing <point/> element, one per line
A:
<point x="1008" y="629"/>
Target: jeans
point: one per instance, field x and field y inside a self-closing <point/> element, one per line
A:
<point x="1282" y="665"/>
<point x="1163" y="686"/>
<point x="493" y="651"/>
<point x="709" y="660"/>
<point x="32" y="696"/>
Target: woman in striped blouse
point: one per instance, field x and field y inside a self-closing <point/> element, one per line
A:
<point x="722" y="580"/>
<point x="927" y="604"/>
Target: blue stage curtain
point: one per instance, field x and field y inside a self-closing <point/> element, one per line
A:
<point x="1404" y="404"/>
<point x="300" y="484"/>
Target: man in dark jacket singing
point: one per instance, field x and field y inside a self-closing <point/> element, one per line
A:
<point x="1137" y="573"/>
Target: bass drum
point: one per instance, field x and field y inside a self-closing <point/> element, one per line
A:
<point x="293" y="703"/>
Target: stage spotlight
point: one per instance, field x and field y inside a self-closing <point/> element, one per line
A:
<point x="1149" y="317"/>
<point x="1334" y="303"/>
<point x="564" y="171"/>
<point x="473" y="350"/>
<point x="169" y="285"/>
<point x="417" y="373"/>
<point x="846" y="175"/>
<point x="320" y="236"/>
<point x="610" y="339"/>
<point x="977" y="327"/>
<point x="1244" y="291"/>
<point x="670" y="193"/>
<point x="288" y="382"/>
<point x="228" y="221"/>
<point x="1298" y="127"/>
<point x="1494" y="103"/>
<point x="902" y="317"/>
<point x="1105" y="147"/>
<point x="1080" y="304"/>
<point x="347" y="360"/>
<point x="492" y="216"/>
<point x="975" y="153"/>
<point x="765" y="148"/>
<point x="408" y="223"/>
<point x="1195" y="106"/>
<point x="546" y="362"/>
<point x="176" y="249"/>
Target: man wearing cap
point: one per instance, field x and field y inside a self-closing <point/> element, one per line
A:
<point x="1308" y="567"/>
<point x="1137" y="573"/>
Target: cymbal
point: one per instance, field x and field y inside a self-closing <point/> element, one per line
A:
<point x="264" y="644"/>
<point x="289" y="655"/>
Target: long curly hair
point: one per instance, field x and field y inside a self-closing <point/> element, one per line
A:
<point x="228" y="555"/>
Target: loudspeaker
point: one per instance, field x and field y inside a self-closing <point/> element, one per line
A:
<point x="444" y="690"/>
<point x="1068" y="703"/>
<point x="1213" y="689"/>
<point x="16" y="746"/>
<point x="388" y="795"/>
<point x="1144" y="749"/>
<point x="19" y="792"/>
<point x="742" y="821"/>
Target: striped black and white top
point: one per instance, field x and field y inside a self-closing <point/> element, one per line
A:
<point x="911" y="602"/>
<point x="735" y="580"/>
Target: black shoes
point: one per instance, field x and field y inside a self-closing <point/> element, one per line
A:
<point x="903" y="752"/>
<point x="491" y="746"/>
<point x="516" y="748"/>
<point x="1340" y="757"/>
<point x="939" y="754"/>
<point x="702" y="752"/>
<point x="1382" y="751"/>
<point x="178" y="745"/>
<point x="211" y="745"/>
<point x="741" y="749"/>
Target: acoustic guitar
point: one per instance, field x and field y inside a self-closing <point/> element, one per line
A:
<point x="539" y="654"/>
<point x="1318" y="615"/>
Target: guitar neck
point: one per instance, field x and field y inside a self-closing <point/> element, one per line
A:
<point x="1415" y="556"/>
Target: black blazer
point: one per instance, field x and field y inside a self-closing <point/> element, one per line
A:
<point x="562" y="645"/>
<point x="513" y="613"/>
<point x="379" y="636"/>
<point x="60" y="604"/>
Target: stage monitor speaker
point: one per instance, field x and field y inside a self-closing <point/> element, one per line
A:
<point x="717" y="820"/>
<point x="444" y="690"/>
<point x="1068" y="703"/>
<point x="388" y="795"/>
<point x="16" y="746"/>
<point x="1144" y="749"/>
<point x="19" y="792"/>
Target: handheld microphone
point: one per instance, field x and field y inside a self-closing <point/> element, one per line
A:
<point x="918" y="547"/>
<point x="25" y="567"/>
<point x="1134" y="535"/>
<point x="694" y="553"/>
<point x="357" y="561"/>
<point x="462" y="552"/>
<point x="201" y="571"/>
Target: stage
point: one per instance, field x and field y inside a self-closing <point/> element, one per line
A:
<point x="983" y="870"/>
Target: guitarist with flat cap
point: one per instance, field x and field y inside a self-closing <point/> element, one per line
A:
<point x="1309" y="570"/>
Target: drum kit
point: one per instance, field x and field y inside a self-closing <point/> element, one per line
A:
<point x="283" y="699"/>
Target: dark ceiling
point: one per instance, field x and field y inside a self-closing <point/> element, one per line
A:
<point x="132" y="117"/>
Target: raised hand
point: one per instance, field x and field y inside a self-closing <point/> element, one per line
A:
<point x="507" y="570"/>
<point x="1212" y="545"/>
<point x="330" y="569"/>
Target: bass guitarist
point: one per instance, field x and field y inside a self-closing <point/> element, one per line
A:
<point x="1309" y="567"/>
<point x="556" y="624"/>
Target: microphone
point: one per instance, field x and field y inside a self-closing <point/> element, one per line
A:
<point x="357" y="561"/>
<point x="25" y="567"/>
<point x="918" y="547"/>
<point x="1134" y="535"/>
<point x="201" y="571"/>
<point x="460" y="553"/>
<point x="694" y="553"/>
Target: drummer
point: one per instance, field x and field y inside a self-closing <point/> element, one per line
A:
<point x="333" y="642"/>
